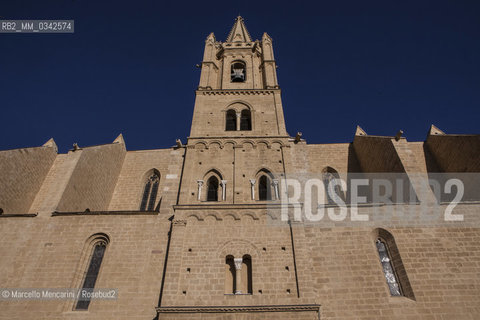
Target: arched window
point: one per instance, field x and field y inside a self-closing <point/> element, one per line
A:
<point x="387" y="266"/>
<point x="246" y="275"/>
<point x="230" y="275"/>
<point x="212" y="189"/>
<point x="333" y="192"/>
<point x="231" y="120"/>
<point x="264" y="188"/>
<point x="238" y="72"/>
<point x="246" y="120"/>
<point x="150" y="192"/>
<point x="392" y="266"/>
<point x="93" y="269"/>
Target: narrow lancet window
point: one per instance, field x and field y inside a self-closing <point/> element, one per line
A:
<point x="333" y="190"/>
<point x="392" y="265"/>
<point x="388" y="268"/>
<point x="150" y="193"/>
<point x="92" y="274"/>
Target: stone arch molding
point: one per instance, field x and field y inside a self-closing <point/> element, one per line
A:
<point x="238" y="106"/>
<point x="264" y="170"/>
<point x="265" y="143"/>
<point x="248" y="142"/>
<point x="277" y="143"/>
<point x="215" y="143"/>
<point x="150" y="172"/>
<point x="213" y="171"/>
<point x="194" y="218"/>
<point x="199" y="217"/>
<point x="203" y="144"/>
<point x="235" y="216"/>
<point x="237" y="248"/>
<point x="250" y="215"/>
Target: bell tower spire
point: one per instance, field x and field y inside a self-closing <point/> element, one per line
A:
<point x="239" y="32"/>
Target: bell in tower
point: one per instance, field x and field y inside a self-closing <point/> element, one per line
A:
<point x="238" y="71"/>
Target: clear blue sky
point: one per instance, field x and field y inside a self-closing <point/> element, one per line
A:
<point x="130" y="68"/>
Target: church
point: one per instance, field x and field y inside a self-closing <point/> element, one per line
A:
<point x="195" y="231"/>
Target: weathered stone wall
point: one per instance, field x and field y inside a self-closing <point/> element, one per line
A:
<point x="441" y="263"/>
<point x="22" y="172"/>
<point x="210" y="112"/>
<point x="377" y="154"/>
<point x="202" y="239"/>
<point x="131" y="181"/>
<point x="47" y="253"/>
<point x="93" y="179"/>
<point x="455" y="153"/>
<point x="237" y="160"/>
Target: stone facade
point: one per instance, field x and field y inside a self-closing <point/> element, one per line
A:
<point x="188" y="230"/>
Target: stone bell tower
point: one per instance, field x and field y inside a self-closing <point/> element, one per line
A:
<point x="238" y="75"/>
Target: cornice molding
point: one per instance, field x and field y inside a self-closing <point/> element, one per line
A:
<point x="248" y="206"/>
<point x="18" y="215"/>
<point x="209" y="63"/>
<point x="238" y="309"/>
<point x="236" y="92"/>
<point x="105" y="213"/>
<point x="245" y="138"/>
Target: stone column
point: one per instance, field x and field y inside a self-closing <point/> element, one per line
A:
<point x="238" y="274"/>
<point x="224" y="189"/>
<point x="252" y="183"/>
<point x="275" y="188"/>
<point x="239" y="115"/>
<point x="199" y="192"/>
